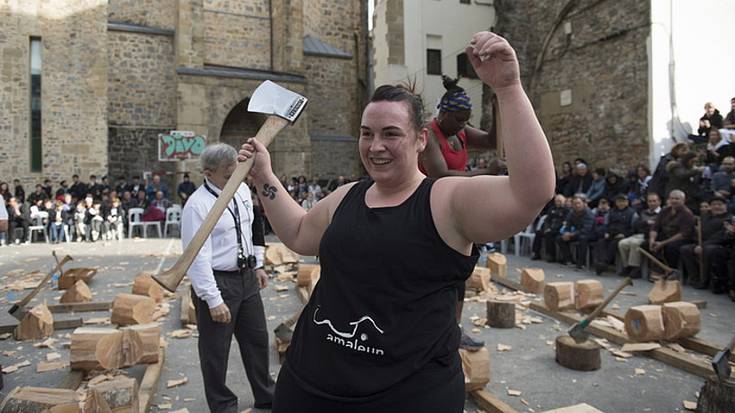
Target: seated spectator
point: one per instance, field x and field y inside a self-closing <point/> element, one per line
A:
<point x="555" y="216"/>
<point x="62" y="191"/>
<point x="580" y="181"/>
<point x="564" y="178"/>
<point x="712" y="224"/>
<point x="717" y="149"/>
<point x="78" y="189"/>
<point x="643" y="222"/>
<point x="597" y="187"/>
<point x="723" y="260"/>
<point x="113" y="219"/>
<point x="155" y="186"/>
<point x="619" y="225"/>
<point x="135" y="187"/>
<point x="3" y="221"/>
<point x="710" y="120"/>
<point x="94" y="188"/>
<point x="156" y="210"/>
<point x="722" y="180"/>
<point x="47" y="188"/>
<point x="673" y="229"/>
<point x="19" y="217"/>
<point x="80" y="218"/>
<point x="5" y="192"/>
<point x="614" y="185"/>
<point x="315" y="190"/>
<point x="93" y="219"/>
<point x="57" y="217"/>
<point x="660" y="179"/>
<point x="704" y="207"/>
<point x="38" y="195"/>
<point x="601" y="211"/>
<point x="121" y="184"/>
<point x="336" y="183"/>
<point x="186" y="188"/>
<point x="20" y="193"/>
<point x="306" y="200"/>
<point x="684" y="176"/>
<point x="140" y="200"/>
<point x="577" y="228"/>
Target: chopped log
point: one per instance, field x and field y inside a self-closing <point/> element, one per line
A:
<point x="304" y="276"/>
<point x="117" y="395"/>
<point x="501" y="314"/>
<point x="681" y="319"/>
<point x="716" y="396"/>
<point x="36" y="323"/>
<point x="644" y="323"/>
<point x="132" y="309"/>
<point x="532" y="280"/>
<point x="559" y="296"/>
<point x="150" y="338"/>
<point x="80" y="307"/>
<point x="144" y="284"/>
<point x="78" y="293"/>
<point x="149" y="383"/>
<point x="498" y="265"/>
<point x="278" y="254"/>
<point x="588" y="294"/>
<point x="577" y="408"/>
<point x="70" y="277"/>
<point x="106" y="348"/>
<point x="665" y="292"/>
<point x="490" y="403"/>
<point x="41" y="400"/>
<point x="479" y="280"/>
<point x="188" y="313"/>
<point x="584" y="356"/>
<point x="476" y="367"/>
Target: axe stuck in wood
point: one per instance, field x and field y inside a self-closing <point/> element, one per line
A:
<point x="18" y="309"/>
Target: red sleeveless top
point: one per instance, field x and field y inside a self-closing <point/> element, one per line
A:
<point x="456" y="160"/>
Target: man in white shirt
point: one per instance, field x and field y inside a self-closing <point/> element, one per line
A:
<point x="3" y="221"/>
<point x="226" y="279"/>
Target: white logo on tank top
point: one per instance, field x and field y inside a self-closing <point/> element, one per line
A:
<point x="348" y="340"/>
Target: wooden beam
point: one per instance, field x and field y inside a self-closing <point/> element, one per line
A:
<point x="489" y="403"/>
<point x="303" y="293"/>
<point x="72" y="380"/>
<point x="58" y="325"/>
<point x="149" y="383"/>
<point x="508" y="283"/>
<point x="80" y="307"/>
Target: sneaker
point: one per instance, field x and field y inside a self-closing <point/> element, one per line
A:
<point x="599" y="269"/>
<point x="626" y="271"/>
<point x="469" y="343"/>
<point x="635" y="273"/>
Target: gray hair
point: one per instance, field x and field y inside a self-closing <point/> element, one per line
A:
<point x="217" y="154"/>
<point x="678" y="192"/>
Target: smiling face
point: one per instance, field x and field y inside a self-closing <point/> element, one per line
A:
<point x="389" y="143"/>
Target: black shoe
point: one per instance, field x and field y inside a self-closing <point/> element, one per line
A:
<point x="635" y="273"/>
<point x="626" y="271"/>
<point x="535" y="257"/>
<point x="717" y="289"/>
<point x="266" y="406"/>
<point x="469" y="343"/>
<point x="579" y="267"/>
<point x="699" y="284"/>
<point x="599" y="269"/>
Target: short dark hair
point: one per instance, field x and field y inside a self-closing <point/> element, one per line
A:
<point x="619" y="197"/>
<point x="653" y="194"/>
<point x="402" y="93"/>
<point x="75" y="176"/>
<point x="92" y="177"/>
<point x="136" y="177"/>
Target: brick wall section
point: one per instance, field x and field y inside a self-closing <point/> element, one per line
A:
<point x="604" y="64"/>
<point x="74" y="84"/>
<point x="152" y="13"/>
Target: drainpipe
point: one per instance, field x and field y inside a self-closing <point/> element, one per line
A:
<point x="270" y="16"/>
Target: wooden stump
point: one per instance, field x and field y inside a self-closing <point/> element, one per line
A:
<point x="476" y="367"/>
<point x="559" y="296"/>
<point x="150" y="338"/>
<point x="36" y="323"/>
<point x="117" y="395"/>
<point x="716" y="397"/>
<point x="665" y="292"/>
<point x="145" y="285"/>
<point x="188" y="313"/>
<point x="501" y="314"/>
<point x="78" y="293"/>
<point x="498" y="265"/>
<point x="279" y="254"/>
<point x="588" y="294"/>
<point x="304" y="275"/>
<point x="583" y="356"/>
<point x="132" y="309"/>
<point x="681" y="319"/>
<point x="532" y="279"/>
<point x="73" y="275"/>
<point x="41" y="400"/>
<point x="107" y="348"/>
<point x="479" y="280"/>
<point x="644" y="323"/>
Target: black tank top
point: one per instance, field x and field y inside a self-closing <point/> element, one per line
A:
<point x="384" y="307"/>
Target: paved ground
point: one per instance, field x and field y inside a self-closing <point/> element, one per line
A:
<point x="529" y="366"/>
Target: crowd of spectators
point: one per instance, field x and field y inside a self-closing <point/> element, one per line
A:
<point x="309" y="192"/>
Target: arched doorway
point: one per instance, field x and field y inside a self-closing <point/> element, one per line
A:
<point x="240" y="125"/>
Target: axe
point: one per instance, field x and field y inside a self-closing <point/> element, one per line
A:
<point x="18" y="309"/>
<point x="282" y="107"/>
<point x="577" y="332"/>
<point x="721" y="362"/>
<point x="671" y="274"/>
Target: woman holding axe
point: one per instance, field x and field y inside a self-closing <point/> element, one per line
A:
<point x="379" y="332"/>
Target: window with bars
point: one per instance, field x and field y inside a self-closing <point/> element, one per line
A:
<point x="433" y="62"/>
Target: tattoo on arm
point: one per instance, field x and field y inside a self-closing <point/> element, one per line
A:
<point x="269" y="191"/>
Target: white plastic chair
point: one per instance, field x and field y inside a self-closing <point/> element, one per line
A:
<point x="529" y="234"/>
<point x="38" y="225"/>
<point x="135" y="219"/>
<point x="173" y="217"/>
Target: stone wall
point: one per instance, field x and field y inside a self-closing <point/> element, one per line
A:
<point x="603" y="64"/>
<point x="237" y="33"/>
<point x="73" y="93"/>
<point x="333" y="95"/>
<point x="334" y="156"/>
<point x="160" y="14"/>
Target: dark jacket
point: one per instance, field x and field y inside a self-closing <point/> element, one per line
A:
<point x="78" y="190"/>
<point x="715" y="121"/>
<point x="581" y="224"/>
<point x="722" y="152"/>
<point x="620" y="222"/>
<point x="712" y="224"/>
<point x="686" y="180"/>
<point x="554" y="219"/>
<point x="641" y="225"/>
<point x="578" y="184"/>
<point x="675" y="221"/>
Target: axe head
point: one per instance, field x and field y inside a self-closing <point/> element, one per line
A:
<point x="579" y="333"/>
<point x="17" y="311"/>
<point x="271" y="99"/>
<point x="721" y="364"/>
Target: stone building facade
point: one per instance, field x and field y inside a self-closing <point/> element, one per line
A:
<point x="585" y="65"/>
<point x="116" y="73"/>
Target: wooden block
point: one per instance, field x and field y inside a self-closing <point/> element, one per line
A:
<point x="716" y="396"/>
<point x="150" y="338"/>
<point x="476" y="367"/>
<point x="149" y="383"/>
<point x="489" y="403"/>
<point x="188" y="314"/>
<point x="584" y="356"/>
<point x="532" y="280"/>
<point x="501" y="314"/>
<point x="41" y="400"/>
<point x="303" y="277"/>
<point x="681" y="319"/>
<point x="479" y="280"/>
<point x="107" y="348"/>
<point x="644" y="323"/>
<point x="145" y="285"/>
<point x="80" y="307"/>
<point x="665" y="292"/>
<point x="71" y="276"/>
<point x="577" y="408"/>
<point x="117" y="395"/>
<point x="77" y="293"/>
<point x="132" y="309"/>
<point x="498" y="265"/>
<point x="36" y="323"/>
<point x="279" y="254"/>
<point x="559" y="296"/>
<point x="588" y="294"/>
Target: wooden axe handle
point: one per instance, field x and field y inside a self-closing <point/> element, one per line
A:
<point x="655" y="260"/>
<point x="22" y="303"/>
<point x="171" y="278"/>
<point x="626" y="282"/>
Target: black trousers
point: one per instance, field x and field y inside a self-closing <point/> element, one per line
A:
<point x="723" y="266"/>
<point x="18" y="222"/>
<point x="581" y="244"/>
<point x="605" y="250"/>
<point x="249" y="327"/>
<point x="548" y="240"/>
